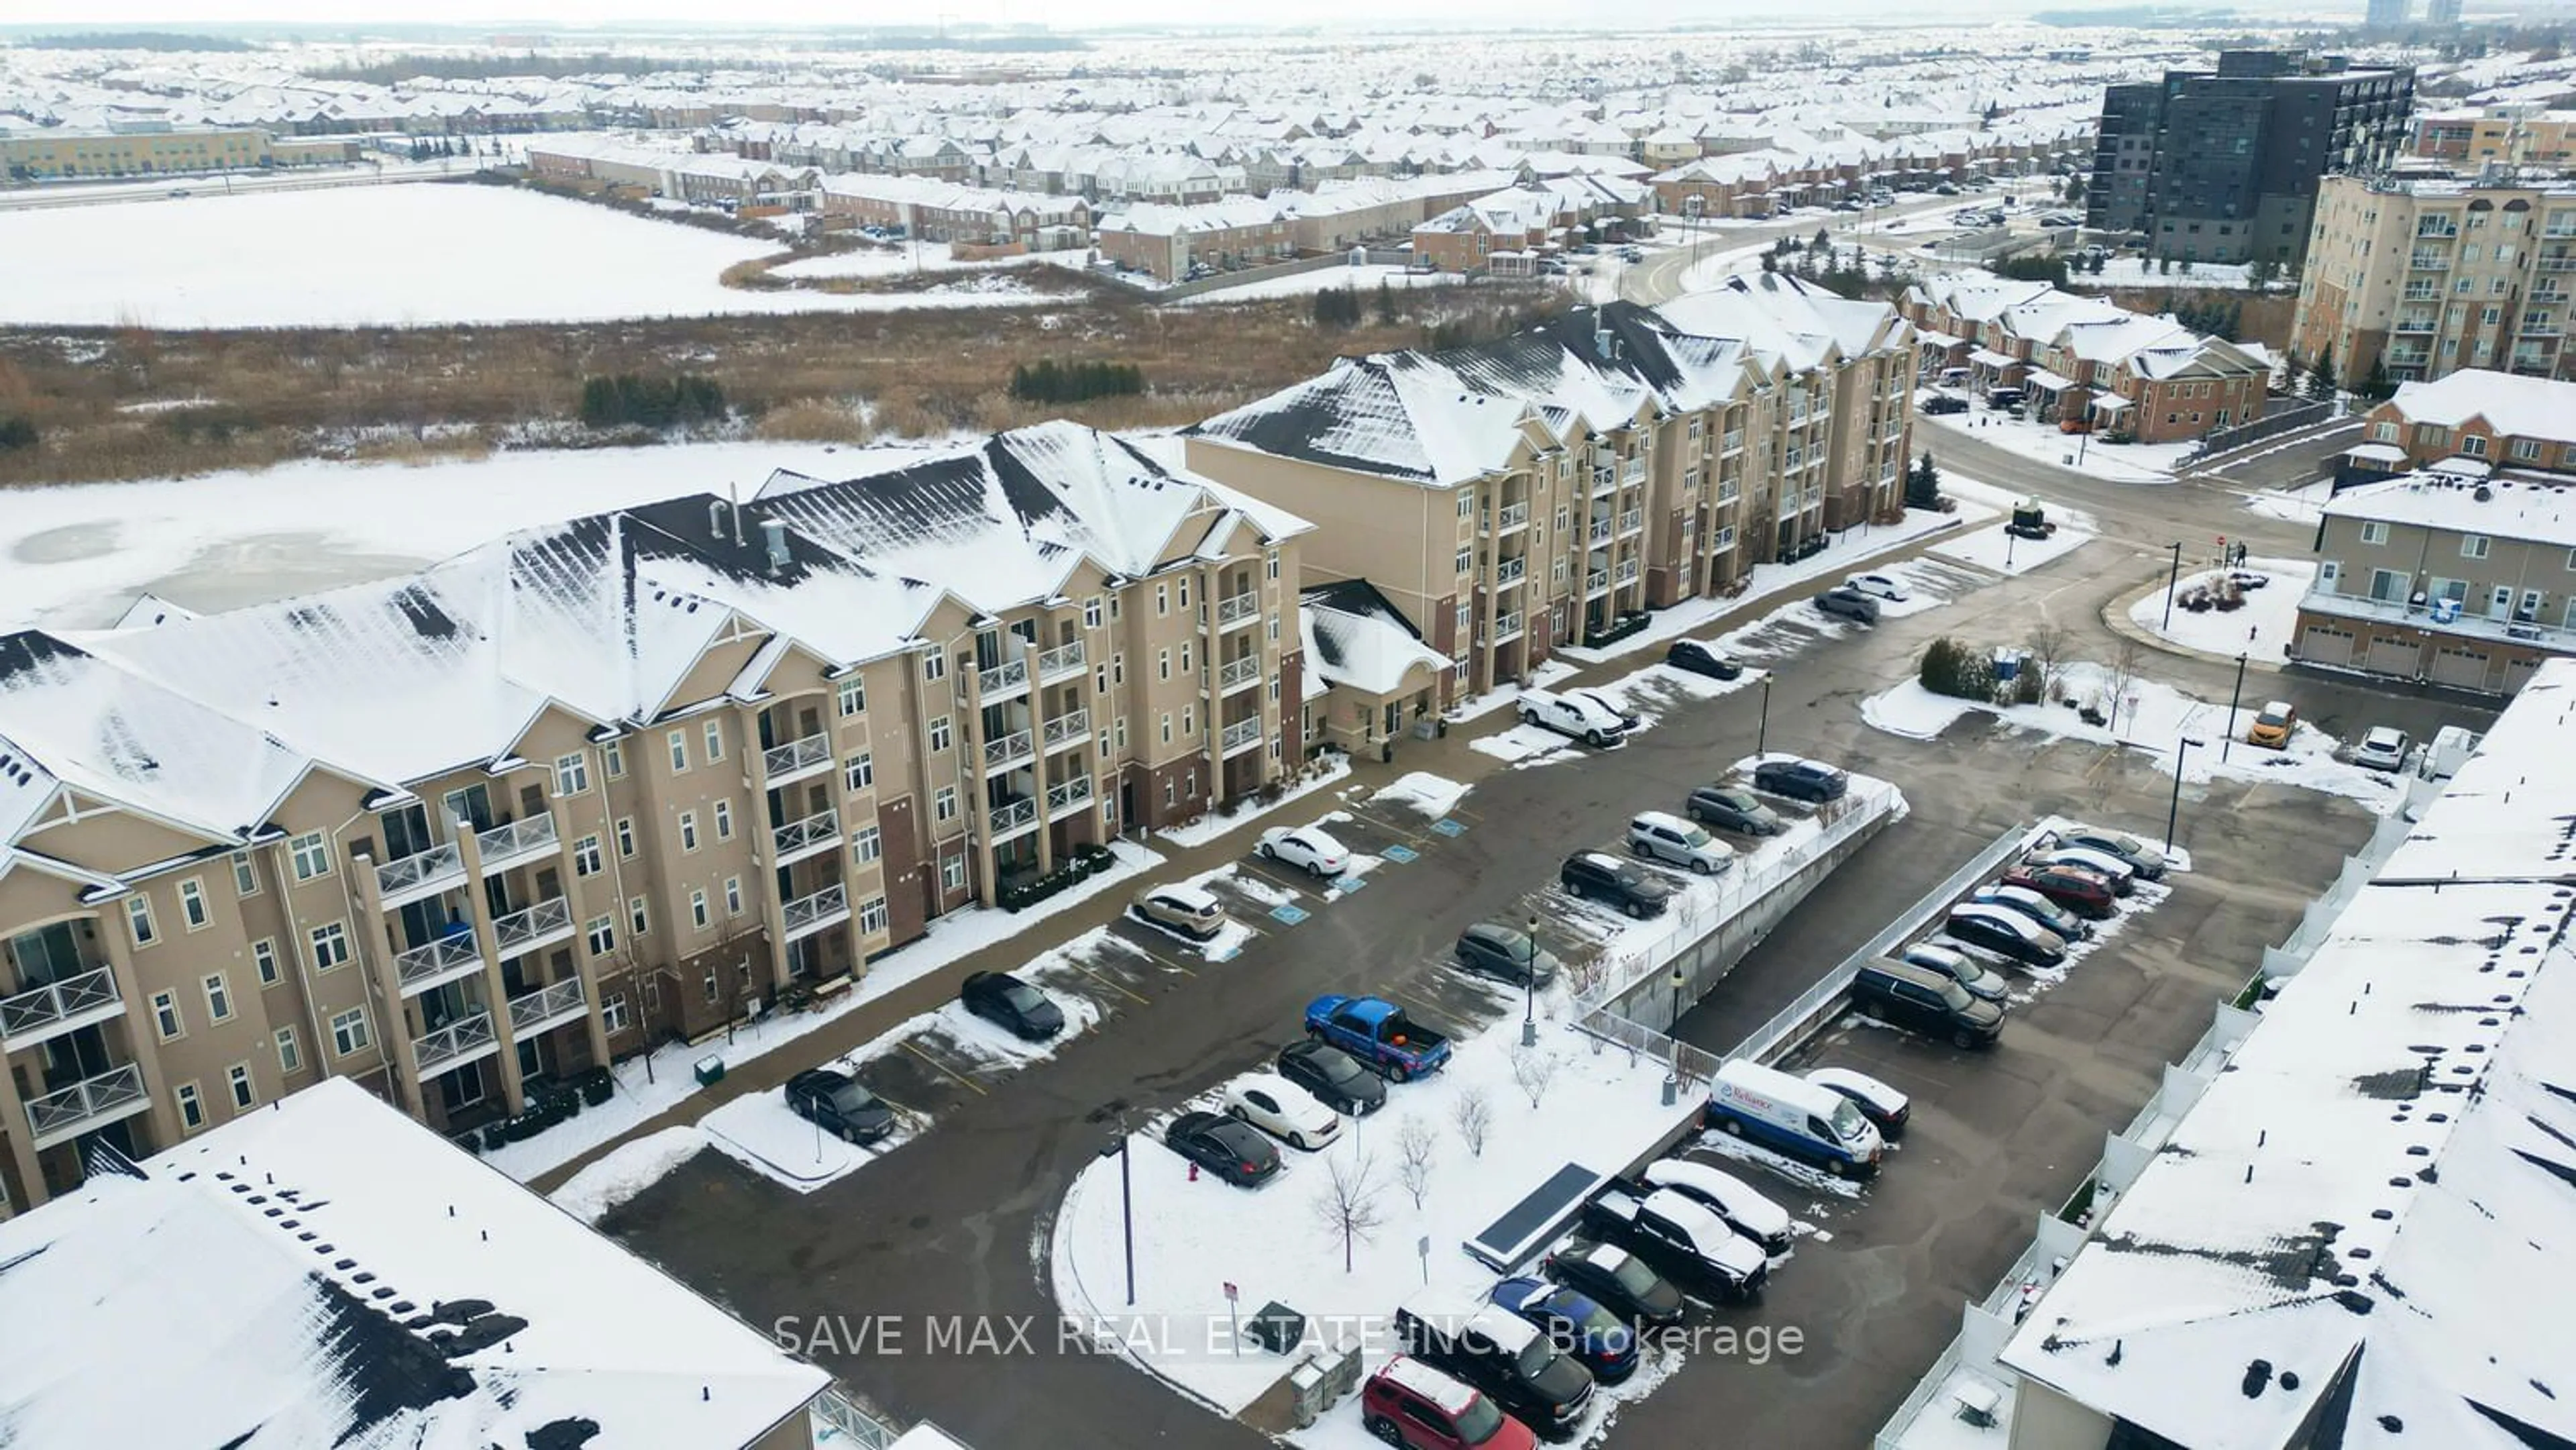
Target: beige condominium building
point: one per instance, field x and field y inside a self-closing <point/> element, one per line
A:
<point x="601" y="783"/>
<point x="2418" y="278"/>
<point x="1514" y="497"/>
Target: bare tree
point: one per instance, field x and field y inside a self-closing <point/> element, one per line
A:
<point x="2048" y="643"/>
<point x="2123" y="677"/>
<point x="1533" y="1070"/>
<point x="1416" y="1143"/>
<point x="1348" y="1204"/>
<point x="1473" y="1116"/>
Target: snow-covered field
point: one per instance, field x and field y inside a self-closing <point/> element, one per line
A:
<point x="2266" y="623"/>
<point x="423" y="255"/>
<point x="896" y="259"/>
<point x="2140" y="272"/>
<point x="2041" y="442"/>
<point x="1365" y="278"/>
<point x="1992" y="548"/>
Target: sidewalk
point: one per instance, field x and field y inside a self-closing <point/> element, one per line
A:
<point x="1450" y="755"/>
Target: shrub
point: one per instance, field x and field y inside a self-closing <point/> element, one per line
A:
<point x="2027" y="689"/>
<point x="17" y="432"/>
<point x="1951" y="668"/>
<point x="1048" y="381"/>
<point x="596" y="1086"/>
<point x="623" y="400"/>
<point x="1337" y="307"/>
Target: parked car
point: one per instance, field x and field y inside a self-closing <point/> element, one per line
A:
<point x="2271" y="728"/>
<point x="1793" y="1116"/>
<point x="2073" y="890"/>
<point x="1938" y="404"/>
<point x="2144" y="861"/>
<point x="2110" y="868"/>
<point x="1884" y="1106"/>
<point x="2013" y="891"/>
<point x="2382" y="748"/>
<point x="1919" y="999"/>
<point x="1378" y="1033"/>
<point x="1413" y="1406"/>
<point x="1308" y="848"/>
<point x="1701" y="659"/>
<point x="1802" y="780"/>
<point x="1190" y="910"/>
<point x="1879" y="586"/>
<point x="1282" y="1109"/>
<point x="1574" y="714"/>
<point x="1980" y="980"/>
<point x="1333" y="1077"/>
<point x="839" y="1104"/>
<point x="2007" y="934"/>
<point x="1232" y="1151"/>
<point x="1659" y="836"/>
<point x="1680" y="1239"/>
<point x="1599" y="1340"/>
<point x="1944" y="188"/>
<point x="1850" y="603"/>
<point x="1597" y="875"/>
<point x="1737" y="1203"/>
<point x="1506" y="953"/>
<point x="1628" y="719"/>
<point x="1733" y="808"/>
<point x="1012" y="1005"/>
<point x="1501" y="1354"/>
<point x="1617" y="1280"/>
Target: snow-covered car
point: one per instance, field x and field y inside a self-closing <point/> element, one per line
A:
<point x="1736" y="1203"/>
<point x="1885" y="1107"/>
<point x="1282" y="1109"/>
<point x="1307" y="848"/>
<point x="1880" y="585"/>
<point x="2148" y="862"/>
<point x="2122" y="876"/>
<point x="2383" y="748"/>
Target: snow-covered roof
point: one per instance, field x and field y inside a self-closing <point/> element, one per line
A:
<point x="1356" y="637"/>
<point x="2527" y="510"/>
<point x="327" y="1274"/>
<point x="2358" y="1231"/>
<point x="2511" y="404"/>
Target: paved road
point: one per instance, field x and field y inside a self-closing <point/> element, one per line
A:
<point x="1659" y="278"/>
<point x="53" y="196"/>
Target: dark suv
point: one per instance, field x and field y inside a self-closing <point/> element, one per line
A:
<point x="1505" y="1356"/>
<point x="1801" y="780"/>
<point x="1922" y="1000"/>
<point x="1733" y="808"/>
<point x="1601" y="877"/>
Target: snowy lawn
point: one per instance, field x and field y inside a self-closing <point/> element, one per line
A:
<point x="2141" y="272"/>
<point x="653" y="1083"/>
<point x="762" y="1134"/>
<point x="895" y="260"/>
<point x="2152" y="717"/>
<point x="2265" y="624"/>
<point x="412" y="256"/>
<point x="1992" y="548"/>
<point x="2302" y="505"/>
<point x="1194" y="834"/>
<point x="2111" y="462"/>
<point x="1365" y="278"/>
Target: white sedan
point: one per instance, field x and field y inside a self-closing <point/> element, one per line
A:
<point x="1307" y="848"/>
<point x="1282" y="1109"/>
<point x="1879" y="584"/>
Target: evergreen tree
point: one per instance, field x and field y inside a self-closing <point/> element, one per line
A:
<point x="1385" y="303"/>
<point x="2321" y="378"/>
<point x="2376" y="385"/>
<point x="1923" y="484"/>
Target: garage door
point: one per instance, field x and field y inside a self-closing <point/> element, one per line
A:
<point x="2394" y="656"/>
<point x="2324" y="645"/>
<point x="2465" y="668"/>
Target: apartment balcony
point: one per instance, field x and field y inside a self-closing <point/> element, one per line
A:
<point x="797" y="759"/>
<point x="1507" y="627"/>
<point x="1601" y="531"/>
<point x="1236" y="610"/>
<point x="516" y="843"/>
<point x="812" y="836"/>
<point x="1003" y="681"/>
<point x="1061" y="661"/>
<point x="807" y="915"/>
<point x="1633" y="471"/>
<point x="1067" y="795"/>
<point x="2420" y="292"/>
<point x="87" y="1105"/>
<point x="1626" y="572"/>
<point x="1238" y="674"/>
<point x="1239" y="737"/>
<point x="1009" y="818"/>
<point x="467" y="1040"/>
<point x="546" y="1008"/>
<point x="2556" y="264"/>
<point x="1734" y="443"/>
<point x="2434" y="227"/>
<point x="532" y="928"/>
<point x="444" y="960"/>
<point x="1605" y="482"/>
<point x="2557" y="229"/>
<point x="2412" y="325"/>
<point x="2540" y="331"/>
<point x="2429" y="262"/>
<point x="1596" y="583"/>
<point x="2398" y="359"/>
<point x="1069" y="729"/>
<point x="1509" y="572"/>
<point x="1513" y="517"/>
<point x="1008" y="751"/>
<point x="1632" y="522"/>
<point x="422" y="874"/>
<point x="58" y="1007"/>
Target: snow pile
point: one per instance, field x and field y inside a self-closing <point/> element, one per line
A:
<point x="1433" y="796"/>
<point x="1191" y="835"/>
<point x="627" y="1171"/>
<point x="2262" y="628"/>
<point x="764" y="1135"/>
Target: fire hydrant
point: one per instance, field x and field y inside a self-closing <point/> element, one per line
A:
<point x="1194" y="1173"/>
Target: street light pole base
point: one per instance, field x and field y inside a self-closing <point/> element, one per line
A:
<point x="1672" y="1090"/>
<point x="1529" y="1032"/>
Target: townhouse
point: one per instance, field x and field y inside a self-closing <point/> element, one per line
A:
<point x="2447" y="575"/>
<point x="1551" y="488"/>
<point x="597" y="784"/>
<point x="941" y="211"/>
<point x="2465" y="421"/>
<point x="2412" y="278"/>
<point x="44" y="155"/>
<point x="1502" y="233"/>
<point x="1169" y="241"/>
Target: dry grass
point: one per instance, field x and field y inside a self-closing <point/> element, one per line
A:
<point x="216" y="400"/>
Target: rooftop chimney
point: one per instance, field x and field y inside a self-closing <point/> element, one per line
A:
<point x="716" y="519"/>
<point x="775" y="534"/>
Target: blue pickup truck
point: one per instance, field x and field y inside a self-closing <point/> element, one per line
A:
<point x="1378" y="1033"/>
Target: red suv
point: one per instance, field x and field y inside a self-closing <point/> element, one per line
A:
<point x="1411" y="1405"/>
<point x="2080" y="891"/>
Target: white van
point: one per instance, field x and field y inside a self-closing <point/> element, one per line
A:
<point x="1794" y="1116"/>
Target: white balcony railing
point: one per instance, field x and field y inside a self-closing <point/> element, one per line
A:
<point x="1633" y="471"/>
<point x="1063" y="660"/>
<point x="455" y="1044"/>
<point x="505" y="846"/>
<point x="529" y="928"/>
<point x="1633" y="521"/>
<point x="797" y="840"/>
<point x="1011" y="816"/>
<point x="1064" y="795"/>
<point x="1513" y="516"/>
<point x="1008" y="750"/>
<point x="797" y="759"/>
<point x="90" y="1103"/>
<point x="59" y="1007"/>
<point x="1601" y="531"/>
<point x="421" y="874"/>
<point x="1596" y="582"/>
<point x="1003" y="680"/>
<point x="547" y="1007"/>
<point x="1605" y="481"/>
<point x="1509" y="572"/>
<point x="1071" y="728"/>
<point x="1240" y="736"/>
<point x="1235" y="674"/>
<point x="444" y="959"/>
<point x="1237" y="609"/>
<point x="1507" y="627"/>
<point x="808" y="914"/>
<point x="1734" y="443"/>
<point x="1627" y="573"/>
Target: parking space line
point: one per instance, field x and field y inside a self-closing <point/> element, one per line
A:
<point x="1278" y="875"/>
<point x="1106" y="982"/>
<point x="944" y="1070"/>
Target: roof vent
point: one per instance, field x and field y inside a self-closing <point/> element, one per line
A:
<point x="715" y="518"/>
<point x="774" y="533"/>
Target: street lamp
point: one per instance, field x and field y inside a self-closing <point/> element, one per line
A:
<point x="1673" y="1068"/>
<point x="1762" y="734"/>
<point x="2174" y="812"/>
<point x="1529" y="999"/>
<point x="2173" y="581"/>
<point x="1117" y="1148"/>
<point x="2232" y="701"/>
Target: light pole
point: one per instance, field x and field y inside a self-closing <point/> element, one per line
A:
<point x="1529" y="999"/>
<point x="1117" y="1147"/>
<point x="1673" y="1068"/>
<point x="2232" y="700"/>
<point x="2173" y="812"/>
<point x="2173" y="581"/>
<point x="1762" y="733"/>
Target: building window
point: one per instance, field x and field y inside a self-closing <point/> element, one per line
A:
<point x="245" y="1093"/>
<point x="1466" y="619"/>
<point x="290" y="1053"/>
<point x="192" y="1108"/>
<point x="715" y="739"/>
<point x="859" y="772"/>
<point x="138" y="921"/>
<point x="165" y="1015"/>
<point x="612" y="760"/>
<point x="724" y="820"/>
<point x="866" y="845"/>
<point x="612" y="1013"/>
<point x="698" y="916"/>
<point x="1270" y="563"/>
<point x="1163" y="664"/>
<point x="872" y="916"/>
<point x="330" y="943"/>
<point x="1274" y="629"/>
<point x="263" y="959"/>
<point x="1091" y="612"/>
<point x="1466" y="559"/>
<point x="2473" y="445"/>
<point x="851" y="696"/>
<point x="733" y="896"/>
<point x="952" y="874"/>
<point x="1184" y="587"/>
<point x="2473" y="546"/>
<point x="688" y="830"/>
<point x="311" y="860"/>
<point x="1466" y="503"/>
<point x="219" y="997"/>
<point x="639" y="917"/>
<point x="585" y="856"/>
<point x="712" y="986"/>
<point x="246" y="877"/>
<point x="1167" y="727"/>
<point x="625" y="838"/>
<point x="2374" y="532"/>
<point x="349" y="1032"/>
<point x="1189" y="721"/>
<point x="1118" y="663"/>
<point x="2526" y="450"/>
<point x="943" y="804"/>
<point x="1162" y="600"/>
<point x="192" y="904"/>
<point x="601" y="935"/>
<point x="678" y="740"/>
<point x="572" y="774"/>
<point x="934" y="666"/>
<point x="943" y="732"/>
